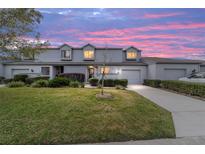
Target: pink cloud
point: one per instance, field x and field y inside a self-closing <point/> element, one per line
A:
<point x="169" y="52"/>
<point x="162" y="15"/>
<point x="170" y="26"/>
<point x="141" y="37"/>
<point x="154" y="48"/>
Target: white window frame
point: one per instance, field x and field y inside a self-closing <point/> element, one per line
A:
<point x="88" y="58"/>
<point x="48" y="71"/>
<point x="131" y="52"/>
<point x="63" y="52"/>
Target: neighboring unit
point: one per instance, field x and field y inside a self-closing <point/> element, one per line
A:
<point x="90" y="60"/>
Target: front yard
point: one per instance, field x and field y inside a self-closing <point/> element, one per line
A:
<point x="74" y="115"/>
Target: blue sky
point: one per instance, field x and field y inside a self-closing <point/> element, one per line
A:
<point x="178" y="33"/>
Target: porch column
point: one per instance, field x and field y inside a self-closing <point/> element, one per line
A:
<point x="86" y="75"/>
<point x="52" y="72"/>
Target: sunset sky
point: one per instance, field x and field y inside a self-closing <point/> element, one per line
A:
<point x="177" y="33"/>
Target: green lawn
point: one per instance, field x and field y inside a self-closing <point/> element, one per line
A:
<point x="68" y="116"/>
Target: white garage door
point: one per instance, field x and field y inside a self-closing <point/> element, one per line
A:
<point x="133" y="76"/>
<point x="202" y="69"/>
<point x="19" y="71"/>
<point x="174" y="74"/>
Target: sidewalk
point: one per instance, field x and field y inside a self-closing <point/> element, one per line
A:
<point x="178" y="141"/>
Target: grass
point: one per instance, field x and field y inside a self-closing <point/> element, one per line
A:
<point x="73" y="115"/>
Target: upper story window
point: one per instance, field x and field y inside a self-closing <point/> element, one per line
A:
<point x="89" y="54"/>
<point x="131" y="54"/>
<point x="66" y="54"/>
<point x="45" y="70"/>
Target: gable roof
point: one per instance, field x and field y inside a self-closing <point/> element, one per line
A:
<point x="65" y="45"/>
<point x="88" y="45"/>
<point x="132" y="47"/>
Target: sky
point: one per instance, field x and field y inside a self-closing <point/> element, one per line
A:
<point x="171" y="33"/>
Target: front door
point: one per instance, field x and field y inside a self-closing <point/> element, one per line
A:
<point x="90" y="72"/>
<point x="59" y="69"/>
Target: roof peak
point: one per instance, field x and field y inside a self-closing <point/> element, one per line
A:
<point x="88" y="45"/>
<point x="65" y="45"/>
<point x="132" y="47"/>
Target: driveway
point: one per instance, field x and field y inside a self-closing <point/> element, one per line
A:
<point x="188" y="113"/>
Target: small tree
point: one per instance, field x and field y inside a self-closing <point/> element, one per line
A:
<point x="30" y="48"/>
<point x="15" y="25"/>
<point x="103" y="79"/>
<point x="103" y="71"/>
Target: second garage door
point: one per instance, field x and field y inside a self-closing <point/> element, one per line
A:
<point x="19" y="71"/>
<point x="174" y="74"/>
<point x="133" y="76"/>
<point x="202" y="68"/>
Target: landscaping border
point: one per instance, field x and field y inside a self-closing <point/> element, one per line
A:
<point x="188" y="88"/>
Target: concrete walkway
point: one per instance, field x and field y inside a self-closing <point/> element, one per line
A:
<point x="188" y="113"/>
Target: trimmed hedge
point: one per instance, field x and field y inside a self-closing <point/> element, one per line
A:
<point x="152" y="83"/>
<point x="75" y="84"/>
<point x="32" y="80"/>
<point x="40" y="83"/>
<point x="121" y="82"/>
<point x="6" y="81"/>
<point x="109" y="82"/>
<point x="20" y="77"/>
<point x="194" y="89"/>
<point x="15" y="84"/>
<point x="93" y="81"/>
<point x="59" y="82"/>
<point x="1" y="79"/>
<point x="74" y="76"/>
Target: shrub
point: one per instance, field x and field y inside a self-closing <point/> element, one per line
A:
<point x="122" y="82"/>
<point x="59" y="82"/>
<point x="114" y="82"/>
<point x="7" y="80"/>
<point x="152" y="83"/>
<point x="40" y="83"/>
<point x="20" y="77"/>
<point x="93" y="81"/>
<point x="15" y="84"/>
<point x="194" y="89"/>
<point x="31" y="80"/>
<point x="189" y="88"/>
<point x="73" y="76"/>
<point x="75" y="84"/>
<point x="82" y="85"/>
<point x="120" y="87"/>
<point x="108" y="82"/>
<point x="1" y="79"/>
